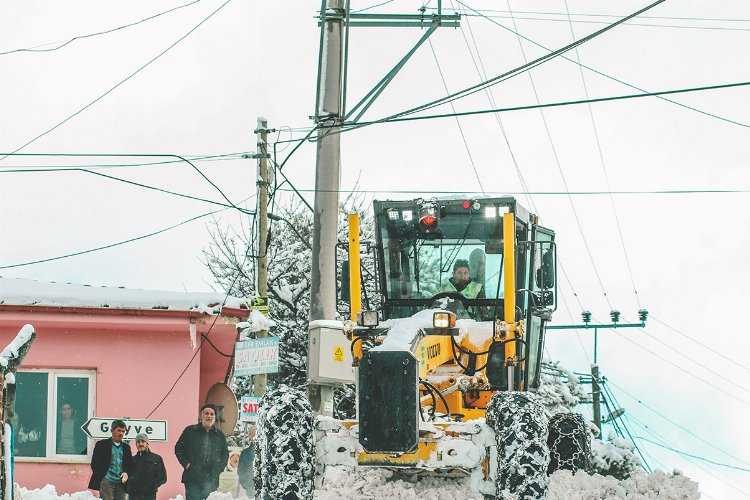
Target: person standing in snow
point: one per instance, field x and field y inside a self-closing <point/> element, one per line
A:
<point x="147" y="473"/>
<point x="111" y="463"/>
<point x="202" y="451"/>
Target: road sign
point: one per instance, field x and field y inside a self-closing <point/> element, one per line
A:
<point x="249" y="408"/>
<point x="99" y="428"/>
<point x="255" y="356"/>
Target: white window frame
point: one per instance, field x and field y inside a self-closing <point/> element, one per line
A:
<point x="51" y="455"/>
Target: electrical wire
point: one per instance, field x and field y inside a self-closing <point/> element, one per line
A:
<point x="702" y="88"/>
<point x="705" y="346"/>
<point x="672" y="422"/>
<point x="132" y="183"/>
<point x="98" y="33"/>
<point x="115" y="244"/>
<point x="523" y="68"/>
<point x="204" y="338"/>
<point x="119" y="83"/>
<point x="602" y="162"/>
<point x="698" y="457"/>
<point x="53" y="168"/>
<point x="605" y="75"/>
<point x="470" y="193"/>
<point x="157" y="155"/>
<point x="458" y="122"/>
<point x="386" y="2"/>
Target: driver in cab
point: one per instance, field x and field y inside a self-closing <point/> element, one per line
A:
<point x="462" y="283"/>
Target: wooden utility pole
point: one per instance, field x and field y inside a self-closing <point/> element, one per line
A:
<point x="261" y="131"/>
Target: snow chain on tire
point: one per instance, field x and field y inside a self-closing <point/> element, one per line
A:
<point x="520" y="427"/>
<point x="569" y="443"/>
<point x="284" y="448"/>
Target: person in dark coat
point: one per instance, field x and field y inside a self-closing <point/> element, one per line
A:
<point x="202" y="451"/>
<point x="111" y="463"/>
<point x="245" y="466"/>
<point x="147" y="472"/>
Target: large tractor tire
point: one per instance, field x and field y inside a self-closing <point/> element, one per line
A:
<point x="520" y="427"/>
<point x="284" y="448"/>
<point x="569" y="443"/>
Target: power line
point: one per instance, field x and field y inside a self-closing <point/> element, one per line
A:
<point x="683" y="370"/>
<point x="698" y="457"/>
<point x="705" y="346"/>
<point x="553" y="104"/>
<point x="524" y="67"/>
<point x="675" y="424"/>
<point x="609" y="401"/>
<point x="558" y="164"/>
<point x="605" y="75"/>
<point x="656" y="435"/>
<point x="602" y="162"/>
<point x="581" y="21"/>
<point x="53" y="168"/>
<point x="98" y="33"/>
<point x="115" y="244"/>
<point x="468" y="192"/>
<point x="588" y="14"/>
<point x="458" y="123"/>
<point x="118" y="84"/>
<point x="130" y="182"/>
<point x="107" y="155"/>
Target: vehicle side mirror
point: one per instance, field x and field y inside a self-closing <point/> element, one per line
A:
<point x="545" y="275"/>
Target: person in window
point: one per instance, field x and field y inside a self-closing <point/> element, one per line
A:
<point x="462" y="283"/>
<point x="111" y="463"/>
<point x="148" y="472"/>
<point x="202" y="451"/>
<point x="70" y="439"/>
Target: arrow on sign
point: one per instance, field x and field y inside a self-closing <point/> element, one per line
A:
<point x="99" y="428"/>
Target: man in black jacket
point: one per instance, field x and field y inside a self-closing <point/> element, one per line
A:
<point x="111" y="463"/>
<point x="147" y="472"/>
<point x="202" y="451"/>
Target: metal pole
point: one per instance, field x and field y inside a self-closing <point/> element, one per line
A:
<point x="596" y="343"/>
<point x="327" y="169"/>
<point x="596" y="397"/>
<point x="259" y="381"/>
<point x="327" y="176"/>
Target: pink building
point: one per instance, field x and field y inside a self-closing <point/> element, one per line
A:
<point x="109" y="352"/>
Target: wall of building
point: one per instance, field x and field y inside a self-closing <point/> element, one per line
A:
<point x="137" y="359"/>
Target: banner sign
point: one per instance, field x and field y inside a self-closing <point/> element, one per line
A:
<point x="256" y="356"/>
<point x="249" y="408"/>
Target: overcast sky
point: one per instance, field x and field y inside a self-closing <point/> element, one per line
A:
<point x="688" y="252"/>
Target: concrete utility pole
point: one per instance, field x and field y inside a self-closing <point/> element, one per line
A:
<point x="259" y="381"/>
<point x="327" y="167"/>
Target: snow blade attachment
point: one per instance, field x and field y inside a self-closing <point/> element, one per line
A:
<point x="388" y="401"/>
<point x="521" y="434"/>
<point x="284" y="448"/>
<point x="569" y="443"/>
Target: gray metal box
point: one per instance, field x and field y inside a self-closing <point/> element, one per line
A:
<point x="329" y="358"/>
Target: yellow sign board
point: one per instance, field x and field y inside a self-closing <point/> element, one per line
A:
<point x="338" y="354"/>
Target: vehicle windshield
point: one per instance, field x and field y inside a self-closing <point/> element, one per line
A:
<point x="463" y="255"/>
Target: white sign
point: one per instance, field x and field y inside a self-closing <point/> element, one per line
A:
<point x="249" y="408"/>
<point x="255" y="356"/>
<point x="99" y="428"/>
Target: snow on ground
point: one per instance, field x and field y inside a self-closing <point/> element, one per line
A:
<point x="369" y="484"/>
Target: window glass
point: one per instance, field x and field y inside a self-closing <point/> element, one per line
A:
<point x="30" y="419"/>
<point x="72" y="411"/>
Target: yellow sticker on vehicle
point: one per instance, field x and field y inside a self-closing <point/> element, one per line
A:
<point x="338" y="354"/>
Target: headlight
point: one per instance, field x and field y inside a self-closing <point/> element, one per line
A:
<point x="367" y="318"/>
<point x="443" y="319"/>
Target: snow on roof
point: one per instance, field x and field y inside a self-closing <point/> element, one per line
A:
<point x="19" y="291"/>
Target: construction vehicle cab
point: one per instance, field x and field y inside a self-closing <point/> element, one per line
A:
<point x="424" y="246"/>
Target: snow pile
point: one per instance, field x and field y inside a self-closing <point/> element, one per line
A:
<point x="50" y="493"/>
<point x="401" y="332"/>
<point x="341" y="484"/>
<point x="614" y="458"/>
<point x="256" y="322"/>
<point x="640" y="486"/>
<point x="560" y="389"/>
<point x="13" y="350"/>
